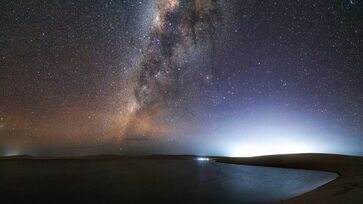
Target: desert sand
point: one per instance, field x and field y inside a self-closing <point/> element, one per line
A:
<point x="347" y="188"/>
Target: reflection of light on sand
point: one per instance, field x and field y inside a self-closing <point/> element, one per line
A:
<point x="250" y="150"/>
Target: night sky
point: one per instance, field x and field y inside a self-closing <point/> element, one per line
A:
<point x="181" y="76"/>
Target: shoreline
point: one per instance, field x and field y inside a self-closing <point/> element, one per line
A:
<point x="346" y="188"/>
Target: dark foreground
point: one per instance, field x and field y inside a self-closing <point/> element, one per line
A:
<point x="155" y="179"/>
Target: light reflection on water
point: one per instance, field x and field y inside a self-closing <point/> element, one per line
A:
<point x="137" y="180"/>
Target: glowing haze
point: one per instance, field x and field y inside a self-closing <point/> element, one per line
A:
<point x="180" y="76"/>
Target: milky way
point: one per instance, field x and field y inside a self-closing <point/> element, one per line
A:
<point x="176" y="28"/>
<point x="180" y="76"/>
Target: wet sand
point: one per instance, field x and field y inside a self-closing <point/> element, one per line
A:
<point x="347" y="188"/>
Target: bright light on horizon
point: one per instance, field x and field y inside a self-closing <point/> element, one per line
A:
<point x="11" y="153"/>
<point x="270" y="133"/>
<point x="251" y="150"/>
<point x="202" y="159"/>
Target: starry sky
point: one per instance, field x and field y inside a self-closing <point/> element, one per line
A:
<point x="180" y="76"/>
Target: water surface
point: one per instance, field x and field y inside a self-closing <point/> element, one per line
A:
<point x="151" y="181"/>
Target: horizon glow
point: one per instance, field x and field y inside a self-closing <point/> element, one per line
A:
<point x="202" y="159"/>
<point x="283" y="131"/>
<point x="252" y="150"/>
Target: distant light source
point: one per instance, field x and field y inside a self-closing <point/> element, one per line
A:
<point x="263" y="149"/>
<point x="202" y="159"/>
<point x="12" y="153"/>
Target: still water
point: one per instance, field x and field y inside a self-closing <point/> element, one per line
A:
<point x="150" y="181"/>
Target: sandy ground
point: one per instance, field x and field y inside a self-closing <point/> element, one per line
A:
<point x="347" y="188"/>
